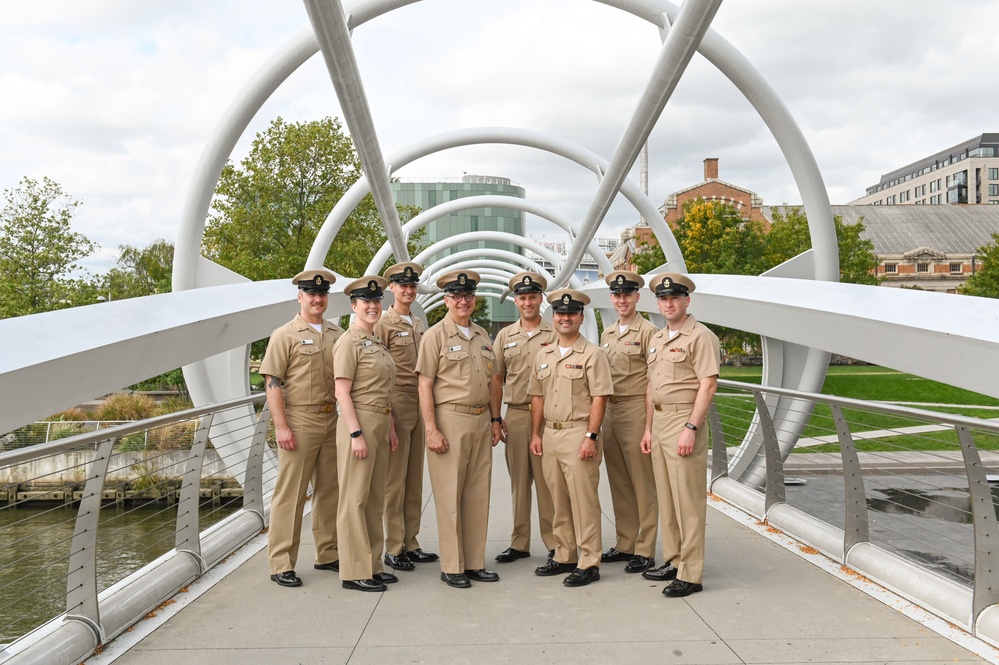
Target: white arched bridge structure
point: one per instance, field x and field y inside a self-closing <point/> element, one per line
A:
<point x="57" y="360"/>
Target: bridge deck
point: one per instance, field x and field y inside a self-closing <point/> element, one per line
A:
<point x="764" y="602"/>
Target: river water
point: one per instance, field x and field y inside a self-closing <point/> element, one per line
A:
<point x="35" y="546"/>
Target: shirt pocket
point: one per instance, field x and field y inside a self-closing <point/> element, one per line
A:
<point x="576" y="376"/>
<point x="456" y="362"/>
<point x="488" y="361"/>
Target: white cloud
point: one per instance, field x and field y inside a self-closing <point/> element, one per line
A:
<point x="116" y="99"/>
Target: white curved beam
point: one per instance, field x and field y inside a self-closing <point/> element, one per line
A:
<point x="330" y="25"/>
<point x="494" y="201"/>
<point x="688" y="29"/>
<point x="508" y="136"/>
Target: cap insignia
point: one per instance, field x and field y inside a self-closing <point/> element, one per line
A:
<point x="527" y="280"/>
<point x="408" y="272"/>
<point x="318" y="280"/>
<point x="667" y="282"/>
<point x="372" y="285"/>
<point x="620" y="279"/>
<point x="462" y="278"/>
<point x="566" y="299"/>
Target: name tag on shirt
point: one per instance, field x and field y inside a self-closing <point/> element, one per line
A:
<point x="367" y="343"/>
<point x="402" y="334"/>
<point x="510" y="345"/>
<point x="454" y="348"/>
<point x="545" y="366"/>
<point x="307" y="341"/>
<point x="652" y="351"/>
<point x="607" y="345"/>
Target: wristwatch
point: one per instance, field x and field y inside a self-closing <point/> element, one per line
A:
<point x="690" y="426"/>
<point x="591" y="435"/>
<point x="356" y="434"/>
<point x="495" y="420"/>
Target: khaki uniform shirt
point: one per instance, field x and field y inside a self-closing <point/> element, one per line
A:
<point x="676" y="366"/>
<point x="402" y="341"/>
<point x="360" y="357"/>
<point x="568" y="383"/>
<point x="303" y="359"/>
<point x="461" y="368"/>
<point x="628" y="353"/>
<point x="515" y="352"/>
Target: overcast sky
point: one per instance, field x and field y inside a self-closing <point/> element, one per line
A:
<point x="115" y="99"/>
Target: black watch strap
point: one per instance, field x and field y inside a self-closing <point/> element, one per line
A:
<point x="495" y="420"/>
<point x="356" y="434"/>
<point x="690" y="426"/>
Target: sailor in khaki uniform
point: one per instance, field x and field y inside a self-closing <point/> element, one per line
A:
<point x="569" y="386"/>
<point x="401" y="333"/>
<point x="516" y="345"/>
<point x="457" y="402"/>
<point x="365" y="373"/>
<point x="684" y="358"/>
<point x="629" y="470"/>
<point x="298" y="375"/>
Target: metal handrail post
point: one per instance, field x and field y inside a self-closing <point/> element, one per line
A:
<point x="81" y="580"/>
<point x="855" y="528"/>
<point x="188" y="537"/>
<point x="983" y="511"/>
<point x="253" y="484"/>
<point x="771" y="450"/>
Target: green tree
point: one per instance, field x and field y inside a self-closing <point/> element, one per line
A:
<point x="267" y="211"/>
<point x="39" y="249"/>
<point x="985" y="281"/>
<point x="714" y="239"/>
<point x="140" y="271"/>
<point x="789" y="237"/>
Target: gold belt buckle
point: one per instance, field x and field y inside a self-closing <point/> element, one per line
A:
<point x="478" y="410"/>
<point x="556" y="425"/>
<point x="659" y="407"/>
<point x="328" y="408"/>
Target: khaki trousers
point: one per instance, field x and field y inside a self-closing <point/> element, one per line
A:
<point x="404" y="482"/>
<point x="573" y="484"/>
<point x="683" y="491"/>
<point x="631" y="478"/>
<point x="460" y="479"/>
<point x="525" y="470"/>
<point x="313" y="460"/>
<point x="362" y="498"/>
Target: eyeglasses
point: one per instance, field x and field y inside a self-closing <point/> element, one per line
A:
<point x="467" y="297"/>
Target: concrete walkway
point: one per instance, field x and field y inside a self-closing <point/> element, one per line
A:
<point x="764" y="602"/>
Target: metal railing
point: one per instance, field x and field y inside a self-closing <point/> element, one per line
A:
<point x="898" y="494"/>
<point x="95" y="534"/>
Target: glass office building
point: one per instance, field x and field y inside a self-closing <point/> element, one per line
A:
<point x="426" y="194"/>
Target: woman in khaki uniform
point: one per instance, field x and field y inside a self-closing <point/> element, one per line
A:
<point x="365" y="374"/>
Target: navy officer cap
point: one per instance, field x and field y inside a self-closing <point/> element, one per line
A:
<point x="566" y="301"/>
<point x="527" y="282"/>
<point x="369" y="287"/>
<point x="624" y="281"/>
<point x="459" y="281"/>
<point x="671" y="284"/>
<point x="404" y="273"/>
<point x="314" y="281"/>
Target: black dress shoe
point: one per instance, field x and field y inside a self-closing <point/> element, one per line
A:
<point x="287" y="578"/>
<point x="663" y="573"/>
<point x="334" y="566"/>
<point x="582" y="576"/>
<point x="456" y="580"/>
<point x="481" y="575"/>
<point x="553" y="567"/>
<point x="639" y="564"/>
<point x="385" y="578"/>
<point x="364" y="585"/>
<point x="419" y="556"/>
<point x="510" y="554"/>
<point x="612" y="555"/>
<point x="679" y="589"/>
<point x="399" y="562"/>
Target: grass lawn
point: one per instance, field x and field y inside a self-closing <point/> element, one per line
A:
<point x="874" y="384"/>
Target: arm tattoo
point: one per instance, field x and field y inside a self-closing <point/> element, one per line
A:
<point x="274" y="382"/>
